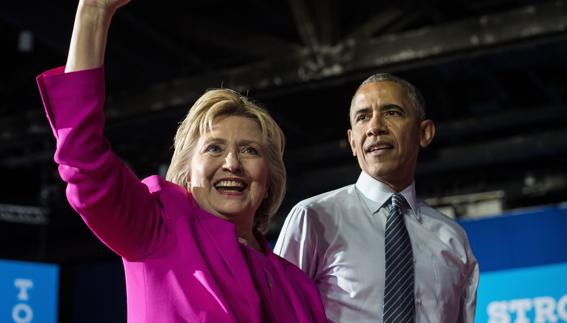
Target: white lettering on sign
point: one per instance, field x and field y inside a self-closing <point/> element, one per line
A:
<point x="22" y="312"/>
<point x="562" y="308"/>
<point x="520" y="307"/>
<point x="23" y="285"/>
<point x="498" y="312"/>
<point x="542" y="309"/>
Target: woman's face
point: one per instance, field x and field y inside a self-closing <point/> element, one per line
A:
<point x="229" y="170"/>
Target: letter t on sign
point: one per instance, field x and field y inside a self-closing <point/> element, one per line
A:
<point x="23" y="285"/>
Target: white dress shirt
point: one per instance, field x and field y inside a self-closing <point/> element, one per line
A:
<point x="338" y="239"/>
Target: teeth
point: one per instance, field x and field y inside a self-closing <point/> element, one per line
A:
<point x="230" y="185"/>
<point x="227" y="183"/>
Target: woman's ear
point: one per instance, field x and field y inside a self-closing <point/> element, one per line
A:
<point x="427" y="132"/>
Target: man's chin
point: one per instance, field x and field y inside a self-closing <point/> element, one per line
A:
<point x="380" y="172"/>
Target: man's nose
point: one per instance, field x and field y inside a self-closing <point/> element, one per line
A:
<point x="232" y="162"/>
<point x="376" y="126"/>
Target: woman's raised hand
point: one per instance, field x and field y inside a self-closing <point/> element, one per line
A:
<point x="88" y="42"/>
<point x="108" y="5"/>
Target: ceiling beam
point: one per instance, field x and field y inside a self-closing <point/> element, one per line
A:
<point x="251" y="43"/>
<point x="540" y="23"/>
<point x="327" y="21"/>
<point x="472" y="36"/>
<point x="375" y="24"/>
<point x="544" y="22"/>
<point x="305" y="24"/>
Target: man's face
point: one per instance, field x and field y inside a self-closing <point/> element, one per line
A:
<point x="386" y="133"/>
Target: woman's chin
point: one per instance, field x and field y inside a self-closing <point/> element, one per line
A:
<point x="232" y="214"/>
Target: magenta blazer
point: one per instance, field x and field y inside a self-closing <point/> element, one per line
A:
<point x="182" y="264"/>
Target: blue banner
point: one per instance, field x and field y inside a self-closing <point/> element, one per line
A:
<point x="534" y="294"/>
<point x="523" y="265"/>
<point x="28" y="292"/>
<point x="523" y="238"/>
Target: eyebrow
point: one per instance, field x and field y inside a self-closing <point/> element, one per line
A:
<point x="248" y="142"/>
<point x="385" y="107"/>
<point x="392" y="106"/>
<point x="240" y="143"/>
<point x="214" y="140"/>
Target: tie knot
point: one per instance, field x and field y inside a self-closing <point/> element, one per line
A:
<point x="397" y="201"/>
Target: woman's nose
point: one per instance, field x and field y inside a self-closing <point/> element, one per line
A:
<point x="232" y="163"/>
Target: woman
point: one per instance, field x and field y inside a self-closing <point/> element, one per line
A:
<point x="190" y="245"/>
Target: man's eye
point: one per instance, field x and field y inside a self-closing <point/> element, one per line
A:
<point x="393" y="113"/>
<point x="212" y="148"/>
<point x="361" y="117"/>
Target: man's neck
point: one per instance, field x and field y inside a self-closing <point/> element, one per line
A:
<point x="396" y="185"/>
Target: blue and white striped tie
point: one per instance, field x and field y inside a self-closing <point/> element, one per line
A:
<point x="399" y="306"/>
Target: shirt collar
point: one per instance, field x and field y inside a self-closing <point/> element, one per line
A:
<point x="380" y="193"/>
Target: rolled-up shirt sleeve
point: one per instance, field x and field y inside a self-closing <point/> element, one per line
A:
<point x="297" y="242"/>
<point x="468" y="306"/>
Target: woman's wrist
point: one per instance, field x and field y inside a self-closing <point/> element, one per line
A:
<point x="94" y="14"/>
<point x="88" y="41"/>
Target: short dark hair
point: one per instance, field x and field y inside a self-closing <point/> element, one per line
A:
<point x="414" y="94"/>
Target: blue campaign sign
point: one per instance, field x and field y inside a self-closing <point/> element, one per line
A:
<point x="522" y="238"/>
<point x="523" y="265"/>
<point x="532" y="294"/>
<point x="28" y="292"/>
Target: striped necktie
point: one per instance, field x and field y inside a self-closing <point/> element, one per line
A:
<point x="399" y="306"/>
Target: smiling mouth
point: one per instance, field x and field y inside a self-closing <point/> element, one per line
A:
<point x="230" y="186"/>
<point x="378" y="147"/>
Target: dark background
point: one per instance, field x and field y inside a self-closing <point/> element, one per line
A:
<point x="493" y="74"/>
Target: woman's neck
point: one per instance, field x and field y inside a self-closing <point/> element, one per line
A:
<point x="248" y="238"/>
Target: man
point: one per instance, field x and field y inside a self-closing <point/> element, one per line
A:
<point x="342" y="240"/>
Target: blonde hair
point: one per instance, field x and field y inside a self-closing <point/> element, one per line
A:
<point x="224" y="102"/>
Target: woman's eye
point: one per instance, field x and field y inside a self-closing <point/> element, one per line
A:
<point x="250" y="150"/>
<point x="212" y="148"/>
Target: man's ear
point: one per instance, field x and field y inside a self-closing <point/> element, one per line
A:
<point x="351" y="142"/>
<point x="427" y="132"/>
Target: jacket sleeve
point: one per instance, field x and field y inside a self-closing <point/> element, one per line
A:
<point x="115" y="205"/>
